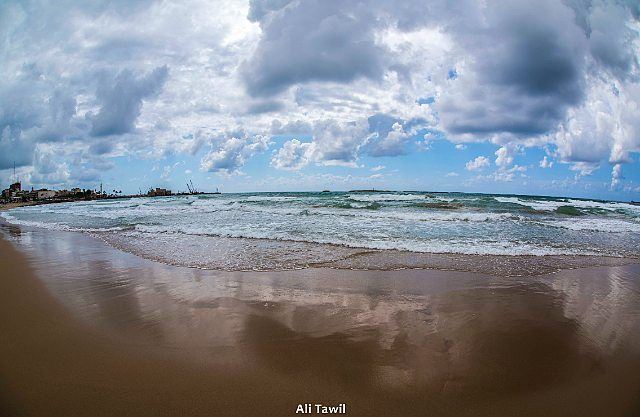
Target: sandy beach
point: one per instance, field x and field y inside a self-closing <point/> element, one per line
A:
<point x="90" y="330"/>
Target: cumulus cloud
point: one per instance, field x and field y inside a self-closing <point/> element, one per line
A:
<point x="333" y="143"/>
<point x="546" y="163"/>
<point x="522" y="69"/>
<point x="393" y="143"/>
<point x="477" y="164"/>
<point x="584" y="168"/>
<point x="74" y="74"/>
<point x="508" y="174"/>
<point x="505" y="155"/>
<point x="605" y="127"/>
<point x="610" y="42"/>
<point x="311" y="40"/>
<point x="293" y="155"/>
<point x="616" y="176"/>
<point x="295" y="127"/>
<point x="47" y="168"/>
<point x="230" y="151"/>
<point x="121" y="100"/>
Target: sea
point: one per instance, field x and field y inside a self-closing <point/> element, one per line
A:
<point x="358" y="230"/>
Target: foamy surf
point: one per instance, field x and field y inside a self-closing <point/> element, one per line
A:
<point x="422" y="223"/>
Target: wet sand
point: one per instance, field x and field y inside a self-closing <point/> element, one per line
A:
<point x="90" y="330"/>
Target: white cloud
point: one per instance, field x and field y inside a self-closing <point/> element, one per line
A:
<point x="508" y="174"/>
<point x="505" y="155"/>
<point x="584" y="168"/>
<point x="616" y="176"/>
<point x="231" y="151"/>
<point x="333" y="143"/>
<point x="605" y="127"/>
<point x="546" y="162"/>
<point x="393" y="143"/>
<point x="293" y="155"/>
<point x="477" y="164"/>
<point x="166" y="172"/>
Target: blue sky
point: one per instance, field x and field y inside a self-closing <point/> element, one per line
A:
<point x="476" y="96"/>
<point x="440" y="168"/>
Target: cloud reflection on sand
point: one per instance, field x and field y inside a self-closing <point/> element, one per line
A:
<point x="425" y="337"/>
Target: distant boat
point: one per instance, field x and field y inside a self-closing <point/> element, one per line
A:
<point x="326" y="191"/>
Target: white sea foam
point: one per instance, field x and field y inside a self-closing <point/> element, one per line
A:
<point x="386" y="197"/>
<point x="513" y="200"/>
<point x="552" y="205"/>
<point x="57" y="226"/>
<point x="371" y="221"/>
<point x="272" y="198"/>
<point x="459" y="246"/>
<point x="598" y="224"/>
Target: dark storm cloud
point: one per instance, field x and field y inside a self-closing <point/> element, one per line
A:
<point x="523" y="65"/>
<point x="14" y="151"/>
<point x="313" y="40"/>
<point x="23" y="107"/>
<point x="528" y="68"/>
<point x="121" y="100"/>
<point x="611" y="43"/>
<point x="262" y="107"/>
<point x="101" y="147"/>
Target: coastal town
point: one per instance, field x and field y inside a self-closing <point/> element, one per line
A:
<point x="16" y="195"/>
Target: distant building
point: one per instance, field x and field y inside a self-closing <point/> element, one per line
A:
<point x="78" y="193"/>
<point x="6" y="194"/>
<point x="13" y="193"/>
<point x="158" y="192"/>
<point x="44" y="194"/>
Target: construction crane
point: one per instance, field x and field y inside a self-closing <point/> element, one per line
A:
<point x="191" y="188"/>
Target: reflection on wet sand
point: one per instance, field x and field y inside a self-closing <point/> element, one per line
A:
<point x="406" y="342"/>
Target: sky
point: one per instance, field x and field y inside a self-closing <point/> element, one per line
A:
<point x="299" y="95"/>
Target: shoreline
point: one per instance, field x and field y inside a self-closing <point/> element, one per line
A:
<point x="366" y="259"/>
<point x="273" y="255"/>
<point x="129" y="336"/>
<point x="342" y="257"/>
